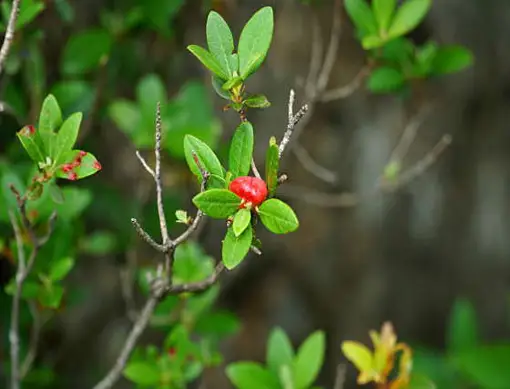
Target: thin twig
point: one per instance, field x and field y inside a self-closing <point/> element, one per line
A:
<point x="313" y="167"/>
<point x="254" y="169"/>
<point x="34" y="340"/>
<point x="292" y="122"/>
<point x="145" y="164"/>
<point x="331" y="53"/>
<point x="199" y="285"/>
<point x="346" y="90"/>
<point x="113" y="375"/>
<point x="340" y="376"/>
<point x="9" y="33"/>
<point x="146" y="237"/>
<point x="157" y="177"/>
<point x="421" y="166"/>
<point x="16" y="301"/>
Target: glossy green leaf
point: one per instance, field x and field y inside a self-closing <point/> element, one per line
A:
<point x="309" y="360"/>
<point x="32" y="143"/>
<point x="385" y="79"/>
<point x="206" y="157"/>
<point x="232" y="83"/>
<point x="60" y="268"/>
<point x="408" y="16"/>
<point x="142" y="373"/>
<point x="208" y="61"/>
<point x="241" y="221"/>
<point x="272" y="166"/>
<point x="279" y="350"/>
<point x="85" y="51"/>
<point x="220" y="41"/>
<point x="66" y="137"/>
<point x="235" y="248"/>
<point x="254" y="41"/>
<point x="78" y="164"/>
<point x="257" y="101"/>
<point x="278" y="217"/>
<point x="217" y="203"/>
<point x="362" y="16"/>
<point x="358" y="354"/>
<point x="215" y="181"/>
<point x="218" y="87"/>
<point x="383" y="11"/>
<point x="241" y="150"/>
<point x="451" y="59"/>
<point x="251" y="375"/>
<point x="485" y="366"/>
<point x="50" y="119"/>
<point x="463" y="327"/>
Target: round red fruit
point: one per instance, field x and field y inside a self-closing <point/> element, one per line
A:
<point x="250" y="189"/>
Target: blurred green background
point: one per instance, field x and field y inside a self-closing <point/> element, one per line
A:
<point x="432" y="257"/>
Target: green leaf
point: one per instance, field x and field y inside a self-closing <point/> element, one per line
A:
<point x="191" y="263"/>
<point x="78" y="164"/>
<point x="232" y="83"/>
<point x="451" y="59"/>
<point x="99" y="243"/>
<point x="66" y="137"/>
<point x="278" y="217"/>
<point x="235" y="248"/>
<point x="182" y="216"/>
<point x="218" y="87"/>
<point x="217" y="203"/>
<point x="60" y="268"/>
<point x="76" y="200"/>
<point x="208" y="160"/>
<point x="251" y="375"/>
<point x="385" y="79"/>
<point x="358" y="354"/>
<point x="74" y="96"/>
<point x="309" y="360"/>
<point x="408" y="16"/>
<point x="30" y="289"/>
<point x="241" y="150"/>
<point x="50" y="119"/>
<point x="279" y="350"/>
<point x="241" y="222"/>
<point x="218" y="323"/>
<point x="272" y="166"/>
<point x="463" y="327"/>
<point x="485" y="366"/>
<point x="208" y="61"/>
<point x="50" y="295"/>
<point x="255" y="40"/>
<point x="126" y="116"/>
<point x="425" y="57"/>
<point x="220" y="41"/>
<point x="370" y="42"/>
<point x="419" y="381"/>
<point x="361" y="15"/>
<point x="215" y="181"/>
<point x="383" y="10"/>
<point x="142" y="373"/>
<point x="32" y="143"/>
<point x="85" y="51"/>
<point x="257" y="101"/>
<point x="149" y="92"/>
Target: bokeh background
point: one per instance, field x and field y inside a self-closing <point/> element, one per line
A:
<point x="361" y="256"/>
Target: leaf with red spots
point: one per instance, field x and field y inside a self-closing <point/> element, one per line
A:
<point x="78" y="164"/>
<point x="32" y="143"/>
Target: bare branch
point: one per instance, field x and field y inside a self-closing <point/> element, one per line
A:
<point x="315" y="59"/>
<point x="346" y="90"/>
<point x="334" y="40"/>
<point x="421" y="166"/>
<point x="254" y="169"/>
<point x="146" y="237"/>
<point x="157" y="177"/>
<point x="198" y="286"/>
<point x="313" y="167"/>
<point x="34" y="340"/>
<point x="9" y="33"/>
<point x="293" y="120"/>
<point x="145" y="164"/>
<point x="113" y="375"/>
<point x="340" y="376"/>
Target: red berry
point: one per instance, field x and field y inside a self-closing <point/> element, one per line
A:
<point x="250" y="189"/>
